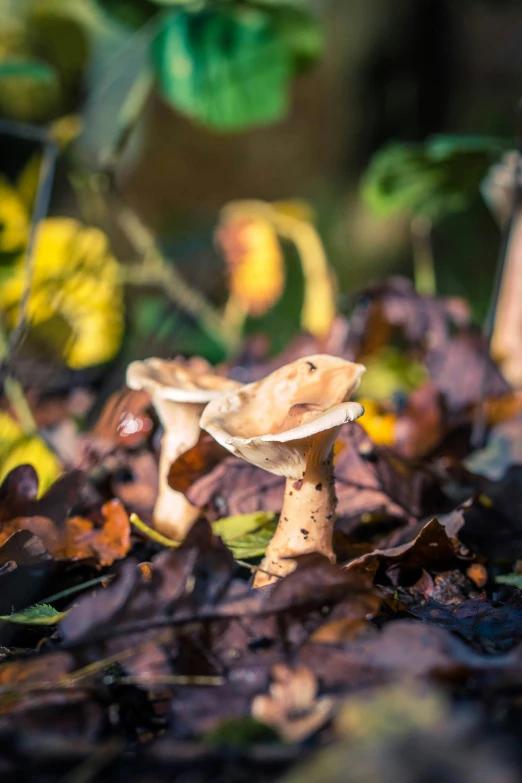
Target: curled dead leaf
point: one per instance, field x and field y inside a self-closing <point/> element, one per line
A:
<point x="292" y="705"/>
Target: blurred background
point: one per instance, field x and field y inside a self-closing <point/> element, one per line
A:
<point x="160" y="113"/>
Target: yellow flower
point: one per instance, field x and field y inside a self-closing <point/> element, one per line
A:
<point x="19" y="449"/>
<point x="255" y="262"/>
<point x="14" y="222"/>
<point x="75" y="297"/>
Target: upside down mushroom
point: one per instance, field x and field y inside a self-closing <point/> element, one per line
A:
<point x="287" y="424"/>
<point x="179" y="390"/>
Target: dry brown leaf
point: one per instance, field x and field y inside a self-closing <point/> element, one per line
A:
<point x="292" y="706"/>
<point x="78" y="538"/>
<point x="196" y="462"/>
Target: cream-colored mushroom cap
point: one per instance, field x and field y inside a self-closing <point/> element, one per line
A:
<point x="179" y="380"/>
<point x="277" y="422"/>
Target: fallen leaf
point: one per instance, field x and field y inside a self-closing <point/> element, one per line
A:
<point x="78" y="538"/>
<point x="465" y="357"/>
<point x="196" y="462"/>
<point x="292" y="705"/>
<point x="432" y="548"/>
<point x="367" y="481"/>
<point x="39" y="614"/>
<point x="246" y="535"/>
<point x="490" y="628"/>
<point x="236" y="487"/>
<point x="395" y="305"/>
<point x="124" y="421"/>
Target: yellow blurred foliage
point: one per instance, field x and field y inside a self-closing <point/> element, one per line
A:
<point x="390" y="371"/>
<point x="295" y="208"/>
<point x="75" y="283"/>
<point x="378" y="425"/>
<point x="14" y="222"/>
<point x="19" y="449"/>
<point x="255" y="263"/>
<point x="249" y="235"/>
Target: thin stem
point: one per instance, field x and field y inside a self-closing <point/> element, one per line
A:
<point x="319" y="306"/>
<point x="18" y="401"/>
<point x="152" y="534"/>
<point x="234" y="315"/>
<point x="40" y="209"/>
<point x="14" y="392"/>
<point x="157" y="271"/>
<point x="423" y="262"/>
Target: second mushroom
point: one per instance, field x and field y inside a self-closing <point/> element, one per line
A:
<point x="179" y="390"/>
<point x="287" y="424"/>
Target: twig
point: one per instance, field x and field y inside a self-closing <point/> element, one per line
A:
<point x="14" y="392"/>
<point x="478" y="434"/>
<point x="156" y="270"/>
<point x="40" y="209"/>
<point x="91" y="767"/>
<point x="171" y="679"/>
<point x="152" y="534"/>
<point x="255" y="568"/>
<point x="8" y="346"/>
<point x="423" y="263"/>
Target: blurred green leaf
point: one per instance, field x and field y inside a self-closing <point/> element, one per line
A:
<point x="432" y="179"/>
<point x="31" y="69"/>
<point x="133" y="13"/>
<point x="239" y="733"/>
<point x="247" y="535"/>
<point x="159" y="327"/>
<point x="61" y="40"/>
<point x="176" y="2"/>
<point x="302" y="34"/>
<point x="513" y="580"/>
<point x="227" y="69"/>
<point x="40" y="614"/>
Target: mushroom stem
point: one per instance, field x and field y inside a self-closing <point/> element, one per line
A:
<point x="181" y="423"/>
<point x="306" y="522"/>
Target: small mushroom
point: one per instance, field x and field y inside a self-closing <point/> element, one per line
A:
<point x="287" y="424"/>
<point x="179" y="390"/>
<point x="506" y="342"/>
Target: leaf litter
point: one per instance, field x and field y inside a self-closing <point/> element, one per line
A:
<point x="159" y="661"/>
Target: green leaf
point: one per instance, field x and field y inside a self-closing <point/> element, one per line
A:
<point x="514" y="580"/>
<point x="247" y="535"/>
<point x="302" y="34"/>
<point x="133" y="13"/>
<point x="227" y="69"/>
<point x="178" y="2"/>
<point x="39" y="614"/>
<point x="33" y="70"/>
<point x="433" y="179"/>
<point x="239" y="733"/>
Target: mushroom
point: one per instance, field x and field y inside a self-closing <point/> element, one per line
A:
<point x="287" y="424"/>
<point x="179" y="389"/>
<point x="506" y="342"/>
